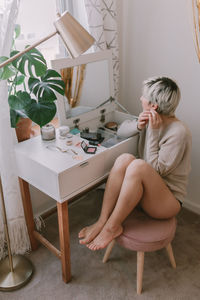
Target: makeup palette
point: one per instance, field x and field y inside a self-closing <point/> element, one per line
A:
<point x="88" y="149"/>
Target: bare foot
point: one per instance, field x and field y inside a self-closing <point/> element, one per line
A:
<point x="105" y="237"/>
<point x="90" y="232"/>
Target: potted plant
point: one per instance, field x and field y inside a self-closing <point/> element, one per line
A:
<point x="32" y="86"/>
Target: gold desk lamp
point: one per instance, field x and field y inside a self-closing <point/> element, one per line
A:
<point x="16" y="271"/>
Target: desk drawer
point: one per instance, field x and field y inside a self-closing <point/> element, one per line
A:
<point x="80" y="175"/>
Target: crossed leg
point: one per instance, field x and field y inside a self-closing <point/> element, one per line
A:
<point x="113" y="187"/>
<point x="140" y="184"/>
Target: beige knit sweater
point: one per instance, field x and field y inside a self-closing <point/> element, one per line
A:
<point x="167" y="150"/>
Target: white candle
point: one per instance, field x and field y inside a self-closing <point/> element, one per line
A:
<point x="48" y="132"/>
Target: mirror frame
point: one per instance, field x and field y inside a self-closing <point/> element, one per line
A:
<point x="62" y="63"/>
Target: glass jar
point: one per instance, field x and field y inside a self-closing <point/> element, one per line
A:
<point x="48" y="132"/>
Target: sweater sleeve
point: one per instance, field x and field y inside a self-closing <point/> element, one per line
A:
<point x="128" y="128"/>
<point x="164" y="156"/>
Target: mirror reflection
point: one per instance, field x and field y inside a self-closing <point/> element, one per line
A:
<point x="87" y="86"/>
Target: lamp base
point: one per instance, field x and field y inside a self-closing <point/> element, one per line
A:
<point x="23" y="271"/>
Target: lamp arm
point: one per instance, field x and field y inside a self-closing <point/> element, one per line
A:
<point x="27" y="49"/>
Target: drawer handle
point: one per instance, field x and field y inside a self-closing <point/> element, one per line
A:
<point x="84" y="164"/>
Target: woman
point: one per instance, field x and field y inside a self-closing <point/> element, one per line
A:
<point x="157" y="181"/>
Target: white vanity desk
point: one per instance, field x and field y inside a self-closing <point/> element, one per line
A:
<point x="61" y="175"/>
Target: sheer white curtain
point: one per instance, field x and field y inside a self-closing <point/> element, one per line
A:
<point x="16" y="221"/>
<point x="99" y="17"/>
<point x="102" y="22"/>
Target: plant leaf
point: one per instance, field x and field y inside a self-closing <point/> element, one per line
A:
<point x="19" y="101"/>
<point x="16" y="35"/>
<point x="44" y="88"/>
<point x="15" y="115"/>
<point x="41" y="112"/>
<point x="14" y="118"/>
<point x="19" y="79"/>
<point x="8" y="71"/>
<point x="17" y="31"/>
<point x="31" y="61"/>
<point x="50" y="73"/>
<point x="33" y="85"/>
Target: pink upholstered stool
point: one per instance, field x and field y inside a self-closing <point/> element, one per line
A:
<point x="144" y="234"/>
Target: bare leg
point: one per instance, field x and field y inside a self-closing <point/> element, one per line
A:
<point x="141" y="184"/>
<point x="113" y="187"/>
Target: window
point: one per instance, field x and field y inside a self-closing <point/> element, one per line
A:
<point x="36" y="20"/>
<point x="2" y="4"/>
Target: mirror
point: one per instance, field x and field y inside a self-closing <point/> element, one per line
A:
<point x="196" y="21"/>
<point x="89" y="83"/>
<point x="87" y="86"/>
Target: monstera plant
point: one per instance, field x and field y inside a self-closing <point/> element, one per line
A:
<point x="32" y="86"/>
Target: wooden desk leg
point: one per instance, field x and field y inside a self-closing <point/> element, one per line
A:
<point x="63" y="223"/>
<point x="28" y="212"/>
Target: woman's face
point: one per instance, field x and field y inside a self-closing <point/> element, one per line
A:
<point x="145" y="104"/>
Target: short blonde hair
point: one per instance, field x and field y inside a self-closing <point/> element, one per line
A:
<point x="164" y="92"/>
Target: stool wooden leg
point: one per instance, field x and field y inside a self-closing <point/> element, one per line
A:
<point x="140" y="267"/>
<point x="108" y="251"/>
<point x="171" y="255"/>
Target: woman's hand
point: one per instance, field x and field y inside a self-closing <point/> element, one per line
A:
<point x="155" y="120"/>
<point x="143" y="119"/>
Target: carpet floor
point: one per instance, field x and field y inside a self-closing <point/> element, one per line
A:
<point x="115" y="280"/>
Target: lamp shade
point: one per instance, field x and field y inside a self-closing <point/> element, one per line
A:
<point x="76" y="39"/>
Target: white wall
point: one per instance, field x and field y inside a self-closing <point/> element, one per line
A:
<point x="156" y="39"/>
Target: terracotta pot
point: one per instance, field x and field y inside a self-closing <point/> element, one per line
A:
<point x="23" y="129"/>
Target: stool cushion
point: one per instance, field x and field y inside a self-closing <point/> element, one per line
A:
<point x="143" y="233"/>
